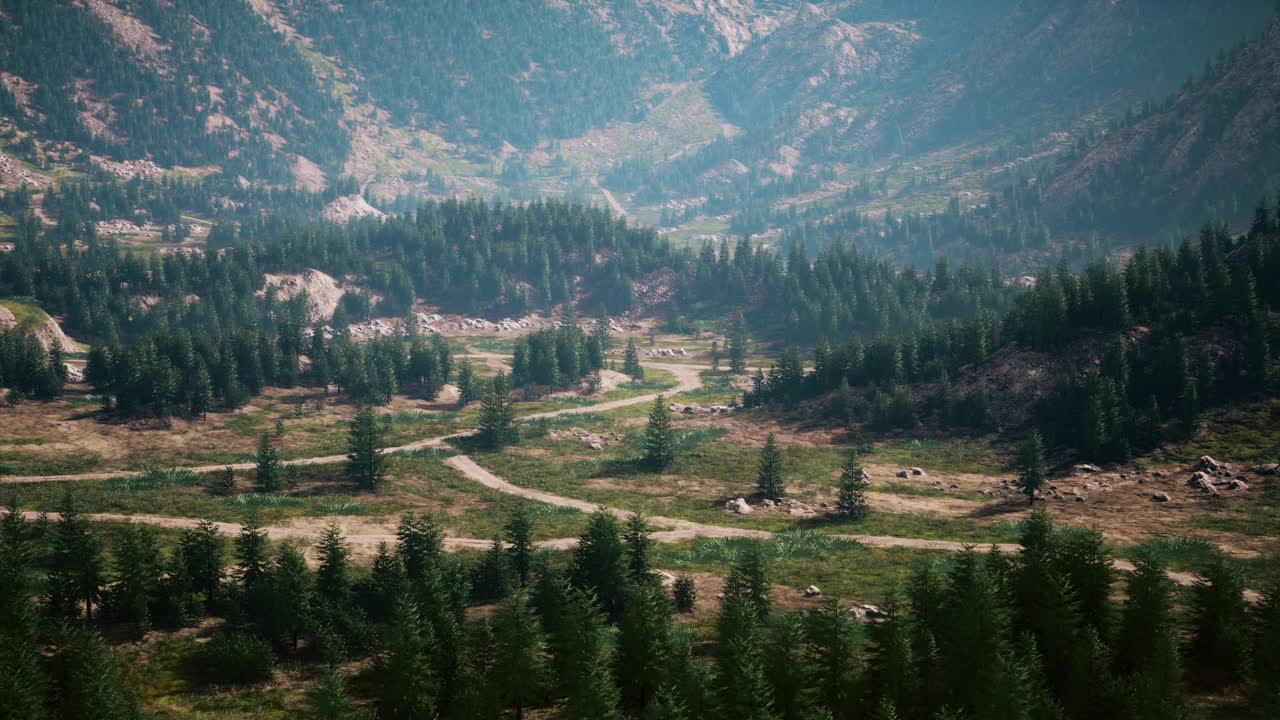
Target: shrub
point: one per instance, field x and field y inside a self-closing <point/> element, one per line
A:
<point x="684" y="594"/>
<point x="236" y="658"/>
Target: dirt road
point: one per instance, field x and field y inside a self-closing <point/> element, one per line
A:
<point x="687" y="378"/>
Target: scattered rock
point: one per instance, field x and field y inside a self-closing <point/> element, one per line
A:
<point x="74" y="373"/>
<point x="595" y="441"/>
<point x="667" y="352"/>
<point x="812" y="591"/>
<point x="867" y="613"/>
<point x="1202" y="481"/>
<point x="1211" y="466"/>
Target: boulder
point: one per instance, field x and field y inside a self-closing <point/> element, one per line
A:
<point x="904" y="474"/>
<point x="739" y="506"/>
<point x="1267" y="469"/>
<point x="867" y="613"/>
<point x="916" y="471"/>
<point x="812" y="591"/>
<point x="1085" y="469"/>
<point x="767" y="503"/>
<point x="1209" y="465"/>
<point x="1202" y="481"/>
<point x="1235" y="484"/>
<point x="1160" y="497"/>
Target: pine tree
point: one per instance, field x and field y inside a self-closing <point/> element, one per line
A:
<point x="406" y="685"/>
<point x="769" y="481"/>
<point x="748" y="581"/>
<point x="1146" y="648"/>
<point x="1265" y="627"/>
<point x="631" y="361"/>
<point x="659" y="440"/>
<point x="1031" y="467"/>
<point x="1219" y="647"/>
<point x="742" y="686"/>
<point x="76" y="572"/>
<point x="223" y="482"/>
<point x="643" y="644"/>
<point x="520" y="547"/>
<point x="851" y="501"/>
<point x="684" y="594"/>
<point x="22" y="679"/>
<point x="518" y="658"/>
<point x="201" y="393"/>
<point x="138" y="568"/>
<point x="333" y="574"/>
<point x="639" y="548"/>
<point x="497" y="416"/>
<point x="466" y="383"/>
<point x="268" y="475"/>
<point x="290" y="590"/>
<point x="738" y="346"/>
<point x="330" y="699"/>
<point x="366" y="465"/>
<point x="86" y="681"/>
<point x="599" y="562"/>
<point x="836" y="643"/>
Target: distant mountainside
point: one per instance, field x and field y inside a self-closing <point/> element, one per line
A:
<point x="1199" y="154"/>
<point x="712" y="117"/>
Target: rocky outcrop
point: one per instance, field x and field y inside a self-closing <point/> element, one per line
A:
<point x="350" y="207"/>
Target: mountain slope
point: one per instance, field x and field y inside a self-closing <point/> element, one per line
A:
<point x="1187" y="159"/>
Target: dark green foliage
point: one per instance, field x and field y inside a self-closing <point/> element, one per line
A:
<point x="366" y="466"/>
<point x="1218" y="651"/>
<point x="518" y="656"/>
<point x="769" y="481"/>
<point x="268" y="473"/>
<point x="22" y="676"/>
<point x="659" y="438"/>
<point x="600" y="563"/>
<point x="334" y="573"/>
<point x="1032" y="473"/>
<point x="643" y="644"/>
<point x="406" y="682"/>
<point x="684" y="594"/>
<point x="233" y="657"/>
<point x="137" y="568"/>
<point x="76" y="568"/>
<point x="497" y="416"/>
<point x="330" y="699"/>
<point x="631" y="361"/>
<point x="639" y="549"/>
<point x="519" y="536"/>
<point x="851" y="499"/>
<point x="738" y="345"/>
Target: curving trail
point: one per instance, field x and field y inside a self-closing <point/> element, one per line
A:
<point x="687" y="379"/>
<point x="668" y="529"/>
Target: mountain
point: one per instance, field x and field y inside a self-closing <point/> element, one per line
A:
<point x="1198" y="154"/>
<point x="711" y="117"/>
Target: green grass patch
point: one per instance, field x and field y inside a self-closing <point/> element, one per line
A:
<point x="1243" y="434"/>
<point x="13" y="462"/>
<point x="181" y="493"/>
<point x="842" y="569"/>
<point x="955" y="454"/>
<point x="28" y="314"/>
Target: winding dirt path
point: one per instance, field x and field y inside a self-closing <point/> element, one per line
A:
<point x="669" y="530"/>
<point x="687" y="378"/>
